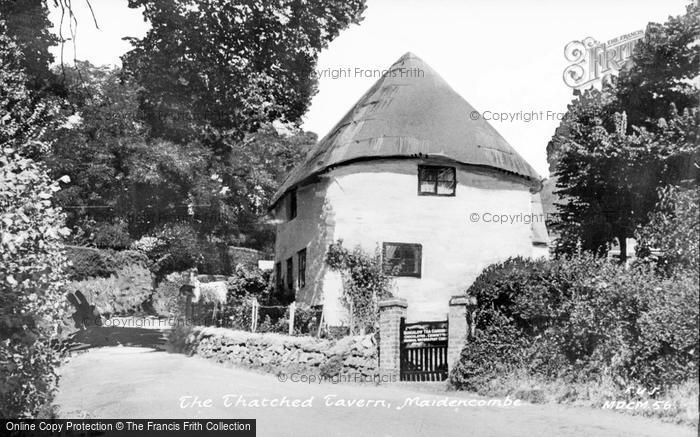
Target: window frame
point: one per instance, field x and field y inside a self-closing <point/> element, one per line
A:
<point x="419" y="255"/>
<point x="436" y="169"/>
<point x="301" y="268"/>
<point x="290" y="274"/>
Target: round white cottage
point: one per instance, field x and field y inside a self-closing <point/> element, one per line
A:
<point x="408" y="172"/>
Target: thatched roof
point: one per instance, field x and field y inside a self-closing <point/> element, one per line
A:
<point x="411" y="112"/>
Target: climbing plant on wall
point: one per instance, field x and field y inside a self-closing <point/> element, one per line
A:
<point x="365" y="282"/>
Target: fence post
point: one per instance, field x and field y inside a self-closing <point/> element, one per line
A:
<point x="292" y="310"/>
<point x="254" y="316"/>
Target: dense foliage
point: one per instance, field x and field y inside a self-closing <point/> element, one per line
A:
<point x="32" y="229"/>
<point x="365" y="283"/>
<point x="673" y="230"/>
<point x="165" y="300"/>
<point x="244" y="286"/>
<point x="582" y="319"/>
<point x="225" y="68"/>
<point x="136" y="184"/>
<point x="86" y="262"/>
<point x="617" y="147"/>
<point x="27" y="24"/>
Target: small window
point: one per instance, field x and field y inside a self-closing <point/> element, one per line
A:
<point x="301" y="268"/>
<point x="402" y="259"/>
<point x="292" y="204"/>
<point x="290" y="274"/>
<point x="436" y="181"/>
<point x="278" y="277"/>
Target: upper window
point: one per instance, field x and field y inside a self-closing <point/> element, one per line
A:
<point x="301" y="268"/>
<point x="436" y="181"/>
<point x="292" y="204"/>
<point x="402" y="259"/>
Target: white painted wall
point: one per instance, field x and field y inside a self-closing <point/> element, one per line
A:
<point x="368" y="203"/>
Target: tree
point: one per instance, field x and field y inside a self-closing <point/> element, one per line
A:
<point x="608" y="170"/>
<point x="214" y="76"/>
<point x="665" y="63"/>
<point x="225" y="68"/>
<point x="27" y="24"/>
<point x="31" y="271"/>
<point x="120" y="174"/>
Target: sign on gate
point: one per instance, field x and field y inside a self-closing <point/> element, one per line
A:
<point x="424" y="351"/>
<point x="425" y="333"/>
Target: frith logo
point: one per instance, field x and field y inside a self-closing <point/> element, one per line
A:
<point x="592" y="61"/>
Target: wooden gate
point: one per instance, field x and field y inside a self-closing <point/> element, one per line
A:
<point x="423" y="351"/>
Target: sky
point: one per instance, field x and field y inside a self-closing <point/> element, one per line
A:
<point x="504" y="56"/>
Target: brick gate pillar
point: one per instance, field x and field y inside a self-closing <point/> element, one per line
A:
<point x="457" y="326"/>
<point x="390" y="313"/>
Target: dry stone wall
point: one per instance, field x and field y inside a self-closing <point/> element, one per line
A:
<point x="355" y="357"/>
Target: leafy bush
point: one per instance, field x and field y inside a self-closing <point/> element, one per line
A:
<point x="31" y="278"/>
<point x="180" y="249"/>
<point x="674" y="229"/>
<point x="166" y="300"/>
<point x="122" y="293"/>
<point x="668" y="330"/>
<point x="87" y="262"/>
<point x="249" y="282"/>
<point x="306" y="319"/>
<point x="237" y="313"/>
<point x="582" y="319"/>
<point x="244" y="286"/>
<point x="146" y="245"/>
<point x="111" y="235"/>
<point x="364" y="283"/>
<point x="177" y="247"/>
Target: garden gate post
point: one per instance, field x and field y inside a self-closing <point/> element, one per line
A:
<point x="457" y="327"/>
<point x="391" y="311"/>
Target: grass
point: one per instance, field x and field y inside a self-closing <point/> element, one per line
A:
<point x="677" y="405"/>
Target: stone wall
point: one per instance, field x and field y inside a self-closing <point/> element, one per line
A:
<point x="245" y="256"/>
<point x="276" y="353"/>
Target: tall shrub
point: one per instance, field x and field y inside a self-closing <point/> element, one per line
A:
<point x="244" y="285"/>
<point x="32" y="260"/>
<point x="674" y="229"/>
<point x="582" y="319"/>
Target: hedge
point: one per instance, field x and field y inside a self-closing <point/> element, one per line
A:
<point x="582" y="319"/>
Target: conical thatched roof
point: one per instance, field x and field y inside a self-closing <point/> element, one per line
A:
<point x="411" y="112"/>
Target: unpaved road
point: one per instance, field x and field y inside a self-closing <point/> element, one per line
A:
<point x="141" y="382"/>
